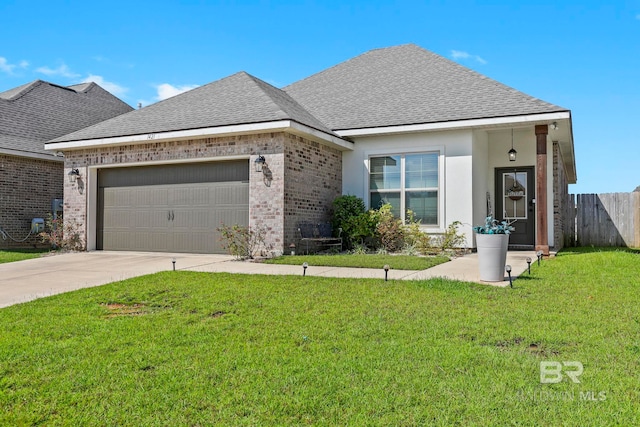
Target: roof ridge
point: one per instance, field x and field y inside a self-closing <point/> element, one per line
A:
<point x="285" y="109"/>
<point x="86" y="86"/>
<point x="377" y="49"/>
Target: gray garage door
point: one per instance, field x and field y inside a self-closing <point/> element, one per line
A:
<point x="171" y="208"/>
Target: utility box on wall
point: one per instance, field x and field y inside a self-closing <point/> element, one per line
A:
<point x="56" y="206"/>
<point x="37" y="225"/>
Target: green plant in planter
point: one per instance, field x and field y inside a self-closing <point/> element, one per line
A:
<point x="493" y="226"/>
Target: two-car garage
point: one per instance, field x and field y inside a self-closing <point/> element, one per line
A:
<point x="172" y="207"/>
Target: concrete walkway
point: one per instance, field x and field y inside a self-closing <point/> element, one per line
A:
<point x="35" y="278"/>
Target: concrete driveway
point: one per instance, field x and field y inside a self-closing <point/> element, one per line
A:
<point x="35" y="278"/>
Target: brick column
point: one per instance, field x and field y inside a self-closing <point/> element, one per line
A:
<point x="542" y="224"/>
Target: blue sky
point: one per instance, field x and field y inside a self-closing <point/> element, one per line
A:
<point x="583" y="55"/>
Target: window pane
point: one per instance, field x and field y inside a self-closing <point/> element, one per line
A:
<point x="515" y="195"/>
<point x="379" y="199"/>
<point x="421" y="170"/>
<point x="384" y="173"/>
<point x="424" y="205"/>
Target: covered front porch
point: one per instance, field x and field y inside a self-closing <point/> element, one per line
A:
<point x="524" y="168"/>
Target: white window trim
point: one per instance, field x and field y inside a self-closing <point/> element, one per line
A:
<point x="440" y="149"/>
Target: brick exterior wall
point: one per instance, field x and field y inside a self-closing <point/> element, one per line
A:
<point x="313" y="179"/>
<point x="562" y="218"/>
<point x="27" y="187"/>
<point x="300" y="179"/>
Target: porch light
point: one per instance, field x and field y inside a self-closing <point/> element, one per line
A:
<point x="512" y="152"/>
<point x="259" y="163"/>
<point x="73" y="175"/>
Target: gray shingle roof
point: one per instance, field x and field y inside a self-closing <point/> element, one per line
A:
<point x="407" y="85"/>
<point x="36" y="112"/>
<point x="237" y="99"/>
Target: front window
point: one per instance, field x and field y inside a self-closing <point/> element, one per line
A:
<point x="406" y="181"/>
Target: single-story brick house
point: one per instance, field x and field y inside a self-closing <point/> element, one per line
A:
<point x="399" y="124"/>
<point x="30" y="176"/>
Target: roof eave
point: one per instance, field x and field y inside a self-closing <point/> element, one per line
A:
<point x="454" y="124"/>
<point x="218" y="131"/>
<point x="31" y="155"/>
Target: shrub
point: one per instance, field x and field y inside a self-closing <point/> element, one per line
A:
<point x="349" y="215"/>
<point x="359" y="249"/>
<point x="61" y="234"/>
<point x="412" y="233"/>
<point x="344" y="208"/>
<point x="451" y="239"/>
<point x="242" y="242"/>
<point x="362" y="229"/>
<point x="390" y="229"/>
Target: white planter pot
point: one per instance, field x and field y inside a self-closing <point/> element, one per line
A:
<point x="492" y="256"/>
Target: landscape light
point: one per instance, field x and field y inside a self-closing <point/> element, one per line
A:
<point x="539" y="255"/>
<point x="173" y="261"/>
<point x="386" y="272"/>
<point x="529" y="264"/>
<point x="508" y="268"/>
<point x="304" y="268"/>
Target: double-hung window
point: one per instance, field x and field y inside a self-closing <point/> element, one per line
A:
<point x="406" y="181"/>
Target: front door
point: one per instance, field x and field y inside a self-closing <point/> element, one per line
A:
<point x="515" y="189"/>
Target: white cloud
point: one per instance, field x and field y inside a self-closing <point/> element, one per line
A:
<point x="5" y="66"/>
<point x="114" y="88"/>
<point x="63" y="70"/>
<point x="9" y="68"/>
<point x="165" y="90"/>
<point x="459" y="54"/>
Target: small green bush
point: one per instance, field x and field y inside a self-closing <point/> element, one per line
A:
<point x="451" y="239"/>
<point x="349" y="214"/>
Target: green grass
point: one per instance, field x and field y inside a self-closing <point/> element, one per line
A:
<point x="20" y="254"/>
<point x="396" y="262"/>
<point x="183" y="348"/>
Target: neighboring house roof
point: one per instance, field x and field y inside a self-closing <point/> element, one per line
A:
<point x="39" y="111"/>
<point x="404" y="85"/>
<point x="237" y="99"/>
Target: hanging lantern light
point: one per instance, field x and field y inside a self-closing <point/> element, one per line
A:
<point x="512" y="152"/>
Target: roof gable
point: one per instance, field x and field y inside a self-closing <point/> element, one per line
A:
<point x="404" y="85"/>
<point x="237" y="99"/>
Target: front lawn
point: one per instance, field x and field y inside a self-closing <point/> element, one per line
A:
<point x="20" y="254"/>
<point x="185" y="348"/>
<point x="396" y="262"/>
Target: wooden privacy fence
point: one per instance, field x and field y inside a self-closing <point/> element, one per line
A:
<point x="611" y="219"/>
